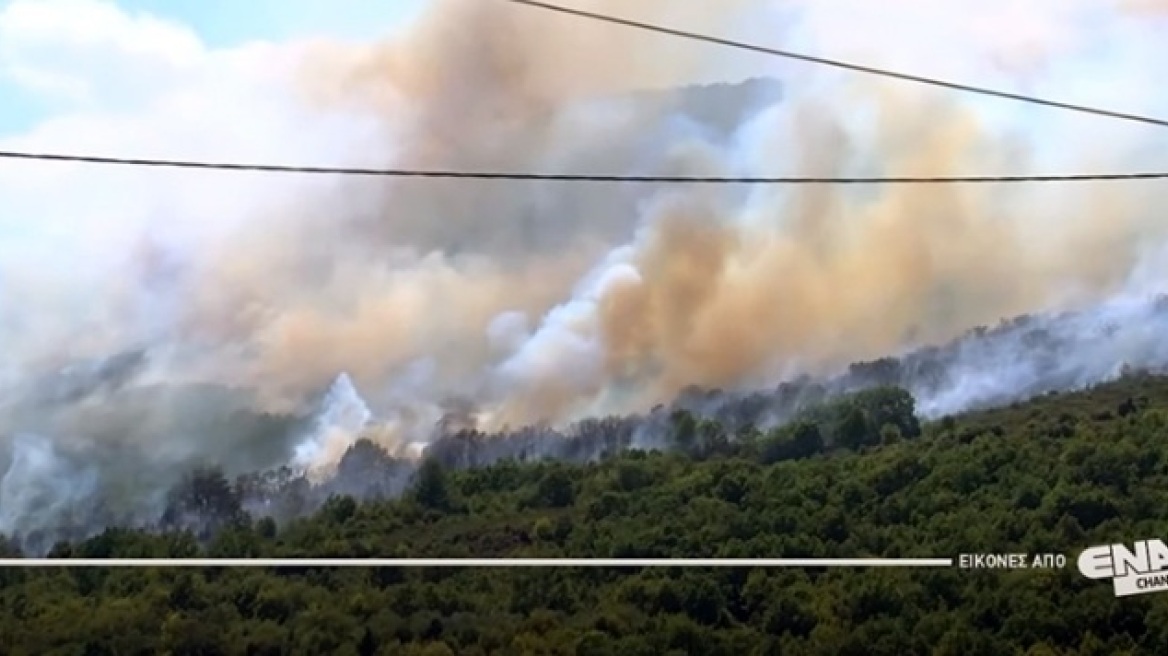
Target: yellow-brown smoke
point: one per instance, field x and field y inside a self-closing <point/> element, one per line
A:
<point x="717" y="287"/>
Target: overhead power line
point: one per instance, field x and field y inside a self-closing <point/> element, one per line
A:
<point x="487" y="175"/>
<point x="552" y="177"/>
<point x="841" y="64"/>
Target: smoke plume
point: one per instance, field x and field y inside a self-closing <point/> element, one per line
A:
<point x="399" y="305"/>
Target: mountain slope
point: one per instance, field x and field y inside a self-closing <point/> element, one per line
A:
<point x="1052" y="475"/>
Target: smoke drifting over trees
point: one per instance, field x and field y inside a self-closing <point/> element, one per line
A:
<point x="452" y="313"/>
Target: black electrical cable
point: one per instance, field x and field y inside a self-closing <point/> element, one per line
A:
<point x="417" y="173"/>
<point x="870" y="70"/>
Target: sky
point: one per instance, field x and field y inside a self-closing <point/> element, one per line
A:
<point x="213" y="79"/>
<point x="224" y="80"/>
<point x="548" y="300"/>
<point x="41" y="36"/>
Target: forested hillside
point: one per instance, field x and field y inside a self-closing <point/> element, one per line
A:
<point x="135" y="442"/>
<point x="858" y="477"/>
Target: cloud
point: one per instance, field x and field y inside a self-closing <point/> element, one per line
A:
<point x="75" y="49"/>
<point x="140" y="86"/>
<point x="1144" y="7"/>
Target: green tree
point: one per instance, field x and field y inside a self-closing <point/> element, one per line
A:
<point x="555" y="490"/>
<point x="431" y="489"/>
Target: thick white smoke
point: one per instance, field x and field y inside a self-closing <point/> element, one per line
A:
<point x="342" y="418"/>
<point x="519" y="302"/>
<point x="40" y="490"/>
